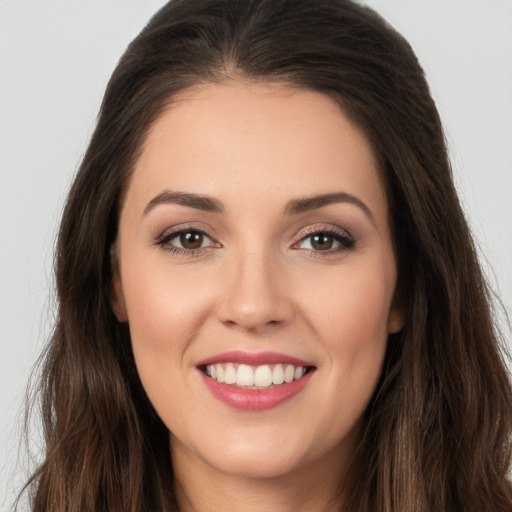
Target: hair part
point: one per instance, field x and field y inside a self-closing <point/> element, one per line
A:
<point x="437" y="431"/>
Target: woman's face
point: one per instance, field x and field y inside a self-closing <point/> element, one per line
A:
<point x="254" y="248"/>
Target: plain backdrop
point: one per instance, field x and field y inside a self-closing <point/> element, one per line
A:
<point x="55" y="60"/>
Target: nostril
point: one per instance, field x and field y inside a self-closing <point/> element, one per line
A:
<point x="251" y="324"/>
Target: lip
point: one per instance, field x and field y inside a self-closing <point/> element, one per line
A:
<point x="254" y="399"/>
<point x="253" y="358"/>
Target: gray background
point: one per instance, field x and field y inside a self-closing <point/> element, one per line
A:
<point x="55" y="60"/>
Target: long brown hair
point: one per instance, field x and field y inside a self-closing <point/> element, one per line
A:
<point x="437" y="431"/>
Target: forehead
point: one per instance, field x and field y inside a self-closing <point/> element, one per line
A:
<point x="240" y="138"/>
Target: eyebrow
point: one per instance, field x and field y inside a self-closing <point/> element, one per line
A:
<point x="305" y="204"/>
<point x="199" y="202"/>
<point x="293" y="207"/>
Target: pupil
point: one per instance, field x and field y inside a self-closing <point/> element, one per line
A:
<point x="322" y="242"/>
<point x="191" y="240"/>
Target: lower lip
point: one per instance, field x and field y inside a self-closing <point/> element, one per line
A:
<point x="255" y="399"/>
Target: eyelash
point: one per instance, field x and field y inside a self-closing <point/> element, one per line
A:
<point x="346" y="242"/>
<point x="166" y="237"/>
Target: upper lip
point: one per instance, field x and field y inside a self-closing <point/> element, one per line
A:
<point x="253" y="358"/>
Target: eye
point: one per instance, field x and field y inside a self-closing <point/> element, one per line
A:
<point x="189" y="240"/>
<point x="325" y="240"/>
<point x="186" y="241"/>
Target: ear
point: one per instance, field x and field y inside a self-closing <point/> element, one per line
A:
<point x="397" y="313"/>
<point x="396" y="321"/>
<point x="116" y="290"/>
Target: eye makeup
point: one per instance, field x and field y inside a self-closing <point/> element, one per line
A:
<point x="316" y="240"/>
<point x="186" y="241"/>
<point x="324" y="240"/>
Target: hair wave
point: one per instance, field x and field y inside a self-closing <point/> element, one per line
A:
<point x="437" y="431"/>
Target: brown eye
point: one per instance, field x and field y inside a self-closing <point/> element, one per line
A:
<point x="186" y="241"/>
<point x="191" y="239"/>
<point x="322" y="241"/>
<point x="326" y="241"/>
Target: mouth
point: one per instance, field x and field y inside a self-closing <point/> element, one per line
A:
<point x="254" y="382"/>
<point x="246" y="376"/>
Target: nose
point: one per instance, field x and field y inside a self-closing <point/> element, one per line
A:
<point x="254" y="294"/>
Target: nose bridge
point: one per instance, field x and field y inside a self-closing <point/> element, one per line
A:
<point x="253" y="295"/>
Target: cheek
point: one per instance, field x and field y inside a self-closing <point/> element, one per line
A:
<point x="352" y="324"/>
<point x="351" y="309"/>
<point x="163" y="305"/>
<point x="165" y="312"/>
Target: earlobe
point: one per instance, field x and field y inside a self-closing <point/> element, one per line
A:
<point x="396" y="320"/>
<point x="397" y="314"/>
<point x="116" y="291"/>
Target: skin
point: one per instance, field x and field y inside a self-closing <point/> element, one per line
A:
<point x="257" y="284"/>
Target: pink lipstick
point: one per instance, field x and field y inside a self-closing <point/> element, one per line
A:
<point x="254" y="381"/>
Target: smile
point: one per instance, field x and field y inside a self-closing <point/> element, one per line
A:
<point x="269" y="381"/>
<point x="255" y="377"/>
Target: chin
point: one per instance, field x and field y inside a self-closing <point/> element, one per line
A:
<point x="262" y="453"/>
<point x="256" y="463"/>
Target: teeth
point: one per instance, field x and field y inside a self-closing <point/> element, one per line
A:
<point x="289" y="373"/>
<point x="263" y="376"/>
<point x="245" y="376"/>
<point x="278" y="374"/>
<point x="230" y="374"/>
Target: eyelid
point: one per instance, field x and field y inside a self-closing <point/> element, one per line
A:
<point x="345" y="239"/>
<point x="168" y="234"/>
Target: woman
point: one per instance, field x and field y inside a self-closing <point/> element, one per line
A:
<point x="269" y="297"/>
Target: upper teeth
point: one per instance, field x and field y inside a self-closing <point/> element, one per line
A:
<point x="262" y="376"/>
